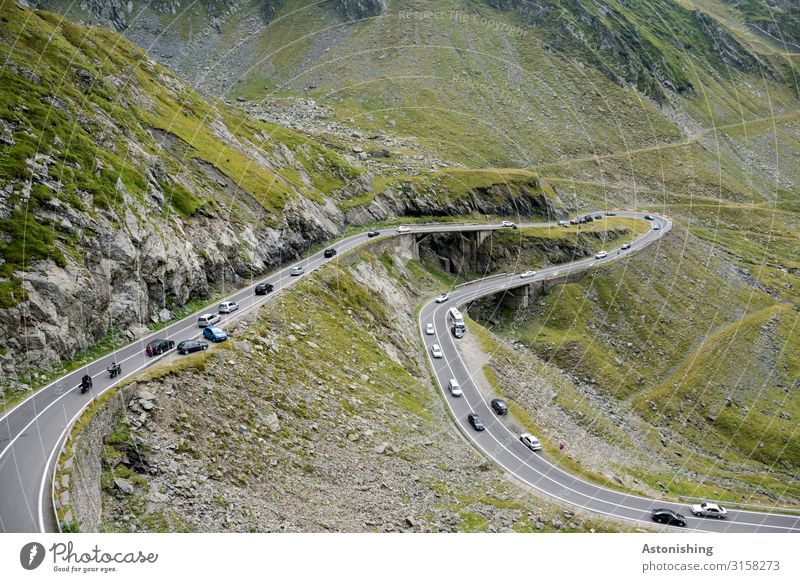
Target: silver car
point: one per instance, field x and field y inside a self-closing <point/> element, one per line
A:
<point x="297" y="271"/>
<point x="436" y="351"/>
<point x="429" y="330"/>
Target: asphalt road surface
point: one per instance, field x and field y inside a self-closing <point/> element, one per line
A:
<point x="33" y="431"/>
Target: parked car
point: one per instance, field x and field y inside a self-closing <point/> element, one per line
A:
<point x="215" y="334"/>
<point x="530" y="441"/>
<point x="500" y="406"/>
<point x="648" y="217"/>
<point x="476" y="421"/>
<point x="429" y="330"/>
<point x="709" y="510"/>
<point x="626" y="246"/>
<point x="159" y="346"/>
<point x="329" y="253"/>
<point x="458" y="331"/>
<point x="563" y="223"/>
<point x="527" y="274"/>
<point x="403" y="229"/>
<point x="508" y="224"/>
<point x="208" y="319"/>
<point x="373" y="234"/>
<point x="190" y="346"/>
<point x="455" y="388"/>
<point x="601" y="255"/>
<point x="442" y="298"/>
<point x="228" y="307"/>
<point x="296" y="271"/>
<point x="598" y="217"/>
<point x="436" y="351"/>
<point x="264" y="288"/>
<point x="668" y="517"/>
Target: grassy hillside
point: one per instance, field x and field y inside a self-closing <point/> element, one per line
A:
<point x="91" y="124"/>
<point x="696" y="347"/>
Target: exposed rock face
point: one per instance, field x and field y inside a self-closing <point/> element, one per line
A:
<point x="358" y="9"/>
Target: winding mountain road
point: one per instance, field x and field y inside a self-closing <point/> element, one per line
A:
<point x="33" y="431"/>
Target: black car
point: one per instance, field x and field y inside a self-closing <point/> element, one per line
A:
<point x="192" y="346"/>
<point x="476" y="421"/>
<point x="668" y="517"/>
<point x="648" y="217"/>
<point x="598" y="217"/>
<point x="159" y="346"/>
<point x="329" y="253"/>
<point x="373" y="233"/>
<point x="500" y="406"/>
<point x="264" y="288"/>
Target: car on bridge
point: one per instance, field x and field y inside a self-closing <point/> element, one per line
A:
<point x="228" y="307"/>
<point x="264" y="288"/>
<point x="429" y="329"/>
<point x="297" y="271"/>
<point x="403" y="229"/>
<point x="442" y="298"/>
<point x="625" y="247"/>
<point x="215" y="334"/>
<point x="373" y="234"/>
<point x="709" y="510"/>
<point x="527" y="274"/>
<point x="530" y="441"/>
<point x="329" y="253"/>
<point x="190" y="346"/>
<point x="476" y="421"/>
<point x="436" y="351"/>
<point x="668" y="517"/>
<point x="601" y="255"/>
<point x="508" y="224"/>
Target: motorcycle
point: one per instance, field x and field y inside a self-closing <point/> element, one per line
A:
<point x="114" y="370"/>
<point x="86" y="383"/>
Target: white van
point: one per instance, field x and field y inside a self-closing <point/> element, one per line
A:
<point x="207" y="319"/>
<point x="228" y="306"/>
<point x="455" y="318"/>
<point x="455" y="389"/>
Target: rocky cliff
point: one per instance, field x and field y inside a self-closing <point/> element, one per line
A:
<point x="123" y="194"/>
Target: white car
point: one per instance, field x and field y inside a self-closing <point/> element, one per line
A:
<point x="429" y="329"/>
<point x="626" y="246"/>
<point x="530" y="441"/>
<point x="296" y="271"/>
<point x="527" y="274"/>
<point x="507" y="224"/>
<point x="601" y="255"/>
<point x="207" y="319"/>
<point x="436" y="351"/>
<point x="656" y="227"/>
<point x="403" y="229"/>
<point x="709" y="510"/>
<point x="442" y="298"/>
<point x="455" y="388"/>
<point x="228" y="307"/>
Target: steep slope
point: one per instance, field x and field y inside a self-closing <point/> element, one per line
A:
<point x="250" y="437"/>
<point x="123" y="194"/>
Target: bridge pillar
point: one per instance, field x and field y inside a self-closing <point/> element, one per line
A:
<point x="517" y="298"/>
